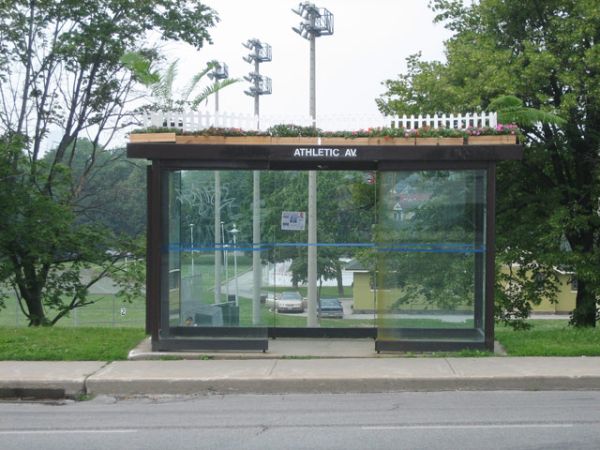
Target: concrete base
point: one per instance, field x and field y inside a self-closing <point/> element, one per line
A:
<point x="283" y="348"/>
<point x="280" y="348"/>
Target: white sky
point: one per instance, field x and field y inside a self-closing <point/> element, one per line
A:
<point x="370" y="43"/>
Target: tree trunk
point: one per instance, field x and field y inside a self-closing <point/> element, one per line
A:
<point x="585" y="312"/>
<point x="37" y="316"/>
<point x="340" y="281"/>
<point x="30" y="289"/>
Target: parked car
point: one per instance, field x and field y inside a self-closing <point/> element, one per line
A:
<point x="330" y="308"/>
<point x="289" y="301"/>
<point x="270" y="300"/>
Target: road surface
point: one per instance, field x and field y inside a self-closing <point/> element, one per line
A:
<point x="426" y="420"/>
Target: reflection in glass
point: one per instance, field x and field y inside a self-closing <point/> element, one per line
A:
<point x="430" y="241"/>
<point x="398" y="250"/>
<point x="212" y="283"/>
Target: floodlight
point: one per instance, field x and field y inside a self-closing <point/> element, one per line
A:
<point x="220" y="71"/>
<point x="260" y="52"/>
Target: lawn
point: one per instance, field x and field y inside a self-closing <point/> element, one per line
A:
<point x="107" y="311"/>
<point x="67" y="344"/>
<point x="550" y="338"/>
<point x="546" y="338"/>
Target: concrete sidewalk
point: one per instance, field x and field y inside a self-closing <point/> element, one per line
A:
<point x="340" y="375"/>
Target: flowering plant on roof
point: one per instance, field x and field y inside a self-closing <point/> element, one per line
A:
<point x="500" y="129"/>
<point x="427" y="131"/>
<point x="291" y="130"/>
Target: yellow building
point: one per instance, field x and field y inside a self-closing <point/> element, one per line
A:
<point x="364" y="295"/>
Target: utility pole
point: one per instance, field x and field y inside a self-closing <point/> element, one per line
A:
<point x="261" y="85"/>
<point x="317" y="22"/>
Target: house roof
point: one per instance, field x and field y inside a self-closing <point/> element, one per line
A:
<point x="356" y="266"/>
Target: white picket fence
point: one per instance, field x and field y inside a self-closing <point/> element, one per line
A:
<point x="198" y="120"/>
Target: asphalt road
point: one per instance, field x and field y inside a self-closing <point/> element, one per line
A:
<point x="427" y="420"/>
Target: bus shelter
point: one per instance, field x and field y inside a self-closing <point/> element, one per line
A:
<point x="405" y="242"/>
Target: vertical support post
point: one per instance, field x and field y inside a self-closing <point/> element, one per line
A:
<point x="490" y="245"/>
<point x="192" y="245"/>
<point x="225" y="260"/>
<point x="154" y="272"/>
<point x="150" y="309"/>
<point x="218" y="240"/>
<point x="235" y="273"/>
<point x="480" y="261"/>
<point x="256" y="245"/>
<point x="312" y="249"/>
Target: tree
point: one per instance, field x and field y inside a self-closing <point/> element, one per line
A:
<point x="547" y="55"/>
<point x="341" y="219"/>
<point x="439" y="215"/>
<point x="161" y="85"/>
<point x="114" y="194"/>
<point x="61" y="78"/>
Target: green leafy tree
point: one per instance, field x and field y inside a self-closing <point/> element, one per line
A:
<point x="436" y="233"/>
<point x="342" y="218"/>
<point x="546" y="55"/>
<point x="61" y="78"/>
<point x="113" y="194"/>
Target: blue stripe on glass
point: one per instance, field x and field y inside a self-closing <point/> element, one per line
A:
<point x="412" y="247"/>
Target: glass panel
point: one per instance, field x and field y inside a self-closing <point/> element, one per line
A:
<point x="345" y="217"/>
<point x="209" y="224"/>
<point x="171" y="291"/>
<point x="430" y="278"/>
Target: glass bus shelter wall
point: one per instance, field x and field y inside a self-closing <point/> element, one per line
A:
<point x="401" y="252"/>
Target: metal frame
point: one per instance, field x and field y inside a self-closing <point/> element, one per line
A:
<point x="168" y="157"/>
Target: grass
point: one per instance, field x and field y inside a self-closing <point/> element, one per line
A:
<point x="550" y="338"/>
<point x="107" y="311"/>
<point x="546" y="338"/>
<point x="67" y="344"/>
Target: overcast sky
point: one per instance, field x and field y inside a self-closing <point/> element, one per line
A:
<point x="370" y="43"/>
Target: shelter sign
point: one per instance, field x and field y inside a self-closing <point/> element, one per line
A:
<point x="293" y="220"/>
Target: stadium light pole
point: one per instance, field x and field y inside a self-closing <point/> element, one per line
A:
<point x="234" y="231"/>
<point x="259" y="52"/>
<point x="317" y="22"/>
<point x="192" y="244"/>
<point x="219" y="72"/>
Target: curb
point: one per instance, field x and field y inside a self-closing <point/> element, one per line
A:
<point x="46" y="379"/>
<point x="120" y="388"/>
<point x="52" y="380"/>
